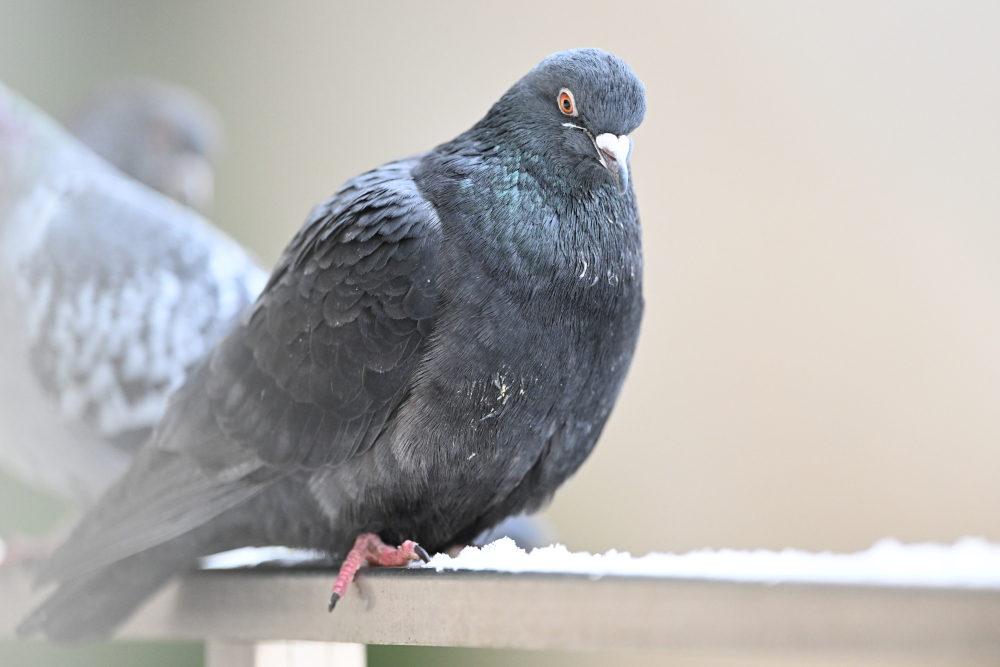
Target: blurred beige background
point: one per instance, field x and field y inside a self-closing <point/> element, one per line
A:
<point x="820" y="192"/>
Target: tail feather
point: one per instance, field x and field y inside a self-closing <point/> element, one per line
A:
<point x="89" y="604"/>
<point x="92" y="606"/>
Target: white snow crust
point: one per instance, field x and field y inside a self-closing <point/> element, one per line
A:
<point x="253" y="556"/>
<point x="971" y="562"/>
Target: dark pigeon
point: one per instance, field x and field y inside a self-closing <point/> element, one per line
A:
<point x="438" y="349"/>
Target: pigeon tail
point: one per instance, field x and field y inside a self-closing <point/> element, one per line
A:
<point x="91" y="606"/>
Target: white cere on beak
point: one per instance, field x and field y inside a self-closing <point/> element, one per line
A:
<point x="616" y="151"/>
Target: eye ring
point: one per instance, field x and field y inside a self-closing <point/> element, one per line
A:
<point x="566" y="102"/>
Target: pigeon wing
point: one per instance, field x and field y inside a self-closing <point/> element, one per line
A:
<point x="125" y="292"/>
<point x="327" y="352"/>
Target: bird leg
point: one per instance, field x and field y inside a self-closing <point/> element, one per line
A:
<point x="26" y="551"/>
<point x="369" y="548"/>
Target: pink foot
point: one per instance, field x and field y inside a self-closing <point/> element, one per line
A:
<point x="369" y="548"/>
<point x="26" y="551"/>
<point x="456" y="549"/>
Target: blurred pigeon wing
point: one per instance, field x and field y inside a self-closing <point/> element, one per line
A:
<point x="111" y="294"/>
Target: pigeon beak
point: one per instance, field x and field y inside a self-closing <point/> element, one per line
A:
<point x="613" y="152"/>
<point x="188" y="178"/>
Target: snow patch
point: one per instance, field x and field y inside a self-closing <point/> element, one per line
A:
<point x="253" y="556"/>
<point x="969" y="563"/>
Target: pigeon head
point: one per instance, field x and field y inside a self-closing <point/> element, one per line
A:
<point x="575" y="110"/>
<point x="161" y="134"/>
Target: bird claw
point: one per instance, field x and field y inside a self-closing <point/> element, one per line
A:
<point x="29" y="552"/>
<point x="370" y="549"/>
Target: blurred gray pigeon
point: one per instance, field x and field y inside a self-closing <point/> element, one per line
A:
<point x="110" y="294"/>
<point x="161" y="134"/>
<point x="438" y="349"/>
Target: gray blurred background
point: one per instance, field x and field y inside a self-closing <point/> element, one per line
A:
<point x="820" y="192"/>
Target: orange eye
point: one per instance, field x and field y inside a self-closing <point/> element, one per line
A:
<point x="566" y="102"/>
